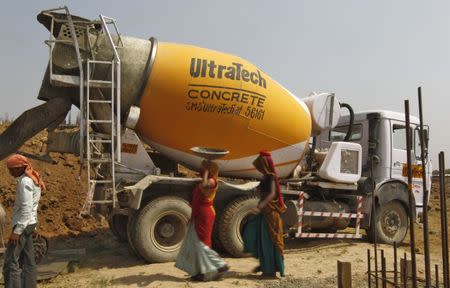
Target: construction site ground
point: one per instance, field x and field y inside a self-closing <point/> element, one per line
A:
<point x="109" y="263"/>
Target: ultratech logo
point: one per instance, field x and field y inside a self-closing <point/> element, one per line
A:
<point x="208" y="68"/>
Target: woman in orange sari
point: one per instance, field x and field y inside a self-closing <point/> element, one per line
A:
<point x="263" y="234"/>
<point x="196" y="256"/>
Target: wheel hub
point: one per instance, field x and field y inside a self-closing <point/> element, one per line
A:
<point x="391" y="222"/>
<point x="167" y="230"/>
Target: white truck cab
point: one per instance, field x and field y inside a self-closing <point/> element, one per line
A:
<point x="385" y="132"/>
<point x="382" y="136"/>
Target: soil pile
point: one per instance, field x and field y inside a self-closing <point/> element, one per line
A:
<point x="61" y="203"/>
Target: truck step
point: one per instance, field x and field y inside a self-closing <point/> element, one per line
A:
<point x="100" y="141"/>
<point x="100" y="181"/>
<point x="100" y="135"/>
<point x="100" y="101"/>
<point x="100" y="160"/>
<point x="99" y="83"/>
<point x="99" y="121"/>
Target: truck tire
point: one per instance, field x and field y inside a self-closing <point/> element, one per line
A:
<point x="217" y="245"/>
<point x="232" y="222"/>
<point x="132" y="215"/>
<point x="390" y="223"/>
<point x="160" y="227"/>
<point x="118" y="226"/>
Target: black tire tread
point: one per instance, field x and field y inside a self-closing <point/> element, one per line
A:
<point x="226" y="239"/>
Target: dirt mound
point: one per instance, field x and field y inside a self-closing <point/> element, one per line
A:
<point x="61" y="203"/>
<point x="434" y="219"/>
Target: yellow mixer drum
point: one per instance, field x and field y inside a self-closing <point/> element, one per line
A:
<point x="201" y="97"/>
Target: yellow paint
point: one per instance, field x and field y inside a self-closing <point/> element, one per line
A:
<point x="415" y="169"/>
<point x="265" y="116"/>
<point x="129" y="148"/>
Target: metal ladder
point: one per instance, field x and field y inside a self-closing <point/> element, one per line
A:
<point x="89" y="140"/>
<point x="94" y="156"/>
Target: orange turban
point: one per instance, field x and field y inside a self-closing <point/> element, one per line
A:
<point x="17" y="161"/>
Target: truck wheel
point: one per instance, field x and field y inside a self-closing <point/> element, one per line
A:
<point x="160" y="228"/>
<point x="217" y="245"/>
<point x="232" y="222"/>
<point x="391" y="223"/>
<point x="130" y="235"/>
<point x="118" y="226"/>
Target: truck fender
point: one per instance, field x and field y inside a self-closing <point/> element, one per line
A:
<point x="385" y="192"/>
<point x="137" y="191"/>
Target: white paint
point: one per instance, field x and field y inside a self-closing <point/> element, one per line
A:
<point x="243" y="165"/>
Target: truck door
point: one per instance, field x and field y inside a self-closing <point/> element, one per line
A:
<point x="398" y="159"/>
<point x="428" y="167"/>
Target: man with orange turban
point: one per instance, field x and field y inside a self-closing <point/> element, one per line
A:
<point x="20" y="244"/>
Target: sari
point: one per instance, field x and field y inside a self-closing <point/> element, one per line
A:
<point x="263" y="234"/>
<point x="196" y="257"/>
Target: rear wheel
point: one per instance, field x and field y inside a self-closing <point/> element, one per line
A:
<point x="160" y="227"/>
<point x="132" y="215"/>
<point x="231" y="224"/>
<point x="118" y="226"/>
<point x="390" y="223"/>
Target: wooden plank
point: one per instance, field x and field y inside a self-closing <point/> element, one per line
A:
<point x="344" y="274"/>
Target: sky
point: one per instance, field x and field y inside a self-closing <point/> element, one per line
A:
<point x="371" y="54"/>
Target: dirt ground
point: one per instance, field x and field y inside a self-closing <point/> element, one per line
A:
<point x="309" y="263"/>
<point x="109" y="263"/>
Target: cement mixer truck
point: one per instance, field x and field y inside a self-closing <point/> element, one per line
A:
<point x="144" y="104"/>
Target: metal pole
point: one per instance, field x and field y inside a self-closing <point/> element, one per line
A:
<point x="405" y="272"/>
<point x="395" y="265"/>
<point x="436" y="272"/>
<point x="444" y="232"/>
<point x="412" y="238"/>
<point x="383" y="270"/>
<point x="372" y="226"/>
<point x="426" y="242"/>
<point x="368" y="269"/>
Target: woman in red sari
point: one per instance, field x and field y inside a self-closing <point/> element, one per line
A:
<point x="196" y="256"/>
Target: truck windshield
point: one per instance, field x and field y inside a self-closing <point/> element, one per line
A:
<point x="338" y="133"/>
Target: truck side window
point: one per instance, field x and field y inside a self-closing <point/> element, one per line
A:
<point x="417" y="144"/>
<point x="399" y="137"/>
<point x="338" y="133"/>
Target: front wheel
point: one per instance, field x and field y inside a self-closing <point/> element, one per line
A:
<point x="390" y="223"/>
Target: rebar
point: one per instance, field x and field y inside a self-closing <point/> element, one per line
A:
<point x="412" y="238"/>
<point x="444" y="231"/>
<point x="436" y="272"/>
<point x="383" y="270"/>
<point x="368" y="269"/>
<point x="395" y="264"/>
<point x="426" y="242"/>
<point x="405" y="273"/>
